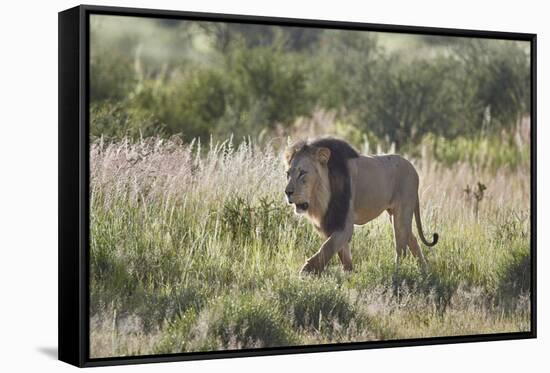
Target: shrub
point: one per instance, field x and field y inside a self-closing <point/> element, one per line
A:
<point x="177" y="334"/>
<point x="244" y="220"/>
<point x="511" y="230"/>
<point x="315" y="303"/>
<point x="491" y="151"/>
<point x="115" y="120"/>
<point x="410" y="101"/>
<point x="496" y="76"/>
<point x="350" y="62"/>
<point x="268" y="87"/>
<point x="516" y="272"/>
<point x="190" y="104"/>
<point x="251" y="321"/>
<point x="112" y="76"/>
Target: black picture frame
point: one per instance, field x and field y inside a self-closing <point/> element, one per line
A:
<point x="73" y="255"/>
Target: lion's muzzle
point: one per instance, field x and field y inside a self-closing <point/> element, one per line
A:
<point x="302" y="207"/>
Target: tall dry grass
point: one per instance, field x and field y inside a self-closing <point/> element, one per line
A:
<point x="193" y="248"/>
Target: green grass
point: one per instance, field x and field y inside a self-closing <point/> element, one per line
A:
<point x="198" y="253"/>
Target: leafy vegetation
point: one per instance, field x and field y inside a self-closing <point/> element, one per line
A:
<point x="206" y="79"/>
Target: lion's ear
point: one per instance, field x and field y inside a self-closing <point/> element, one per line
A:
<point x="291" y="151"/>
<point x="323" y="155"/>
<point x="289" y="154"/>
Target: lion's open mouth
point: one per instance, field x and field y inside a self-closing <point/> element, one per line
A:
<point x="300" y="207"/>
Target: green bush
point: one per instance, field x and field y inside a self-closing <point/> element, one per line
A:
<point x="268" y="87"/>
<point x="177" y="334"/>
<point x="490" y="152"/>
<point x="350" y="60"/>
<point x="191" y="105"/>
<point x="112" y="76"/>
<point x="515" y="277"/>
<point x="116" y="120"/>
<point x="251" y="321"/>
<point x="496" y="76"/>
<point x="245" y="221"/>
<point x="512" y="230"/>
<point x="315" y="303"/>
<point x="409" y="101"/>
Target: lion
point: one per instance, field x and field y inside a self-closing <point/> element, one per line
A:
<point x="337" y="188"/>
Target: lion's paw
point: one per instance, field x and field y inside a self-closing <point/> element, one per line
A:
<point x="310" y="267"/>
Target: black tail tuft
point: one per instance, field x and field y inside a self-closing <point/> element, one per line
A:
<point x="435" y="238"/>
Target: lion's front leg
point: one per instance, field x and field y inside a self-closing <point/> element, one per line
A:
<point x="345" y="257"/>
<point x="333" y="244"/>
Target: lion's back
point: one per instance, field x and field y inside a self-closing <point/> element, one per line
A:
<point x="379" y="179"/>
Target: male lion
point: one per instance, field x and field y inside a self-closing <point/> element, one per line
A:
<point x="336" y="187"/>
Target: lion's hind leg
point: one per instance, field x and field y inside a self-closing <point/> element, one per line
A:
<point x="404" y="237"/>
<point x="416" y="250"/>
<point x="401" y="236"/>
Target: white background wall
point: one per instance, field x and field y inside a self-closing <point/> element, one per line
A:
<point x="28" y="184"/>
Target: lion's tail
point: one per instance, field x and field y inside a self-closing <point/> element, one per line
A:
<point x="419" y="226"/>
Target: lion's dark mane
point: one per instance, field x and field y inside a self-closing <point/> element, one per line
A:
<point x="340" y="183"/>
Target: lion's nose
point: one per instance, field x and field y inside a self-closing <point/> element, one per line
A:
<point x="288" y="193"/>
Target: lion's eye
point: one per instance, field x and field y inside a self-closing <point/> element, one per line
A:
<point x="288" y="175"/>
<point x="302" y="174"/>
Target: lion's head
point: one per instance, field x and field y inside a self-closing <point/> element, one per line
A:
<point x="307" y="174"/>
<point x="319" y="182"/>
